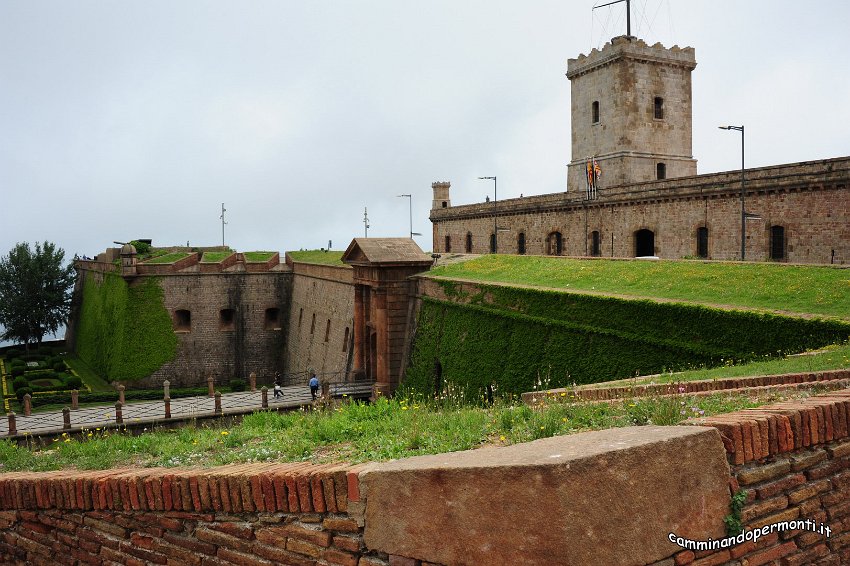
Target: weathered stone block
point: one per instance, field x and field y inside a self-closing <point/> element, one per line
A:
<point x="532" y="503"/>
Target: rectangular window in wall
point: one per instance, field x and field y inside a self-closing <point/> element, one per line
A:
<point x="595" y="111"/>
<point x="227" y="319"/>
<point x="659" y="108"/>
<point x="272" y="319"/>
<point x="182" y="320"/>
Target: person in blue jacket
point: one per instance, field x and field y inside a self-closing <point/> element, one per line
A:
<point x="314" y="386"/>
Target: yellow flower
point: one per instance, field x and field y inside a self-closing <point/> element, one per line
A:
<point x="224" y="433"/>
<point x="404" y="408"/>
<point x="502" y="438"/>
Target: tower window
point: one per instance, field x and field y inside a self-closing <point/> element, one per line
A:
<point x="345" y="341"/>
<point x="469" y="242"/>
<point x="313" y="324"/>
<point x="595" y="111"/>
<point x="520" y="243"/>
<point x="328" y="331"/>
<point x="594" y="244"/>
<point x="659" y="108"/>
<point x="660" y="171"/>
<point x="445" y="204"/>
<point x="448" y="247"/>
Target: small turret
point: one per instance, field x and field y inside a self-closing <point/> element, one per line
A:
<point x="441" y="194"/>
<point x="128" y="260"/>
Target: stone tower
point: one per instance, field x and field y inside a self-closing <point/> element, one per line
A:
<point x="631" y="110"/>
<point x="441" y="194"/>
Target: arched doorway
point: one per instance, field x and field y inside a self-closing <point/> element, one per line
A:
<point x="644" y="243"/>
<point x="554" y="243"/>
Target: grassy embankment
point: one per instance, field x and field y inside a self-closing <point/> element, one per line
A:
<point x="330" y="257"/>
<point x="787" y="289"/>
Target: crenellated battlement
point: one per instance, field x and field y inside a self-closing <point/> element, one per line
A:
<point x="622" y="48"/>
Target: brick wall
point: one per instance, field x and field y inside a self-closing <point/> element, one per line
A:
<point x="793" y="459"/>
<point x="324" y="293"/>
<point x="225" y="351"/>
<point x="610" y="497"/>
<point x="247" y="515"/>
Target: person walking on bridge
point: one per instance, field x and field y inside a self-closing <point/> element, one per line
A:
<point x="314" y="385"/>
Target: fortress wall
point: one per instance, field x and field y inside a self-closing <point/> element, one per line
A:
<point x="322" y="298"/>
<point x="224" y="351"/>
<point x="602" y="497"/>
<point x="811" y="200"/>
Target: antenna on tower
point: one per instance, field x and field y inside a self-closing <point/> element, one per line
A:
<point x="628" y="14"/>
<point x="223" y="210"/>
<point x="365" y="223"/>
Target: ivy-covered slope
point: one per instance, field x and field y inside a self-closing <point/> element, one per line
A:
<point x="124" y="333"/>
<point x="513" y="337"/>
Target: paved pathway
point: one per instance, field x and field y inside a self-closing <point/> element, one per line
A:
<point x="140" y="412"/>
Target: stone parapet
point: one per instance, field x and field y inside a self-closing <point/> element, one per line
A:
<point x="624" y="48"/>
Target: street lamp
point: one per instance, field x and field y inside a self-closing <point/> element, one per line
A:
<point x="410" y="201"/>
<point x="495" y="229"/>
<point x="743" y="213"/>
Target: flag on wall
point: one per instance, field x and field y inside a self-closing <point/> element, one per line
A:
<point x="594" y="172"/>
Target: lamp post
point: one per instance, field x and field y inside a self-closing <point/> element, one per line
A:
<point x="410" y="201"/>
<point x="495" y="229"/>
<point x="743" y="213"/>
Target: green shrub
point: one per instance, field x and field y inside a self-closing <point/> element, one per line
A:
<point x="19" y="393"/>
<point x="18" y="370"/>
<point x="73" y="382"/>
<point x="20" y="382"/>
<point x="13" y="352"/>
<point x="33" y="357"/>
<point x="237" y="385"/>
<point x="142" y="248"/>
<point x="17" y="362"/>
<point x="41" y="374"/>
<point x="59" y="366"/>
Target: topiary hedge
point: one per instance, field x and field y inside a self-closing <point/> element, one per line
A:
<point x="514" y="338"/>
<point x="124" y="332"/>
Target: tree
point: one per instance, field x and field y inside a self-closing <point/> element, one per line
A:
<point x="35" y="292"/>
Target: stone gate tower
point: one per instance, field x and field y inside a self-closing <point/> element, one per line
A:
<point x="631" y="109"/>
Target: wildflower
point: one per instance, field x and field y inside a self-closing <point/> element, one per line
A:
<point x="502" y="438"/>
<point x="224" y="433"/>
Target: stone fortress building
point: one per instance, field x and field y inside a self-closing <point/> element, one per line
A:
<point x="631" y="117"/>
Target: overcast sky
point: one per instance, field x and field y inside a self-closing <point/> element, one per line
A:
<point x="123" y="120"/>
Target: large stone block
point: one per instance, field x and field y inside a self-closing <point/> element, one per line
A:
<point x="606" y="497"/>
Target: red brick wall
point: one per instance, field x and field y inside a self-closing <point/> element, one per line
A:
<point x="249" y="515"/>
<point x="793" y="460"/>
